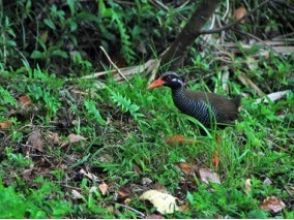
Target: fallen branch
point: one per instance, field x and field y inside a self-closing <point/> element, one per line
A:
<point x="113" y="64"/>
<point x="141" y="214"/>
<point x="273" y="96"/>
<point x="147" y="67"/>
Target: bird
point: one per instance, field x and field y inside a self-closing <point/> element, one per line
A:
<point x="208" y="108"/>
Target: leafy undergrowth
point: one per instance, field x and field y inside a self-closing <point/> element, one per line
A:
<point x="70" y="149"/>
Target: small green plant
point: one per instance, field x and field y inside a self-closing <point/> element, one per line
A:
<point x="92" y="112"/>
<point x="6" y="97"/>
<point x="126" y="104"/>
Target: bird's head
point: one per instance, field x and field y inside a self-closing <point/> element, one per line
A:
<point x="169" y="79"/>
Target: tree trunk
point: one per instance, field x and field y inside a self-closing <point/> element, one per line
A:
<point x="177" y="51"/>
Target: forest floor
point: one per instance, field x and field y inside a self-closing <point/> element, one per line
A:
<point x="72" y="149"/>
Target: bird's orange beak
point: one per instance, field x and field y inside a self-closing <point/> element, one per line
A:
<point x="156" y="83"/>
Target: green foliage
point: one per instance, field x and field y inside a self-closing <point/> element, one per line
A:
<point x="39" y="41"/>
<point x="32" y="205"/>
<point x="17" y="159"/>
<point x="93" y="112"/>
<point x="6" y="97"/>
<point x="126" y="104"/>
<point x="230" y="201"/>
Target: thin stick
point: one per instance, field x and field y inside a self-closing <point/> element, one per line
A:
<point x="228" y="26"/>
<point x="113" y="64"/>
<point x="132" y="209"/>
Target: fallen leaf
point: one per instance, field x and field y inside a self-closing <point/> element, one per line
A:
<point x="247" y="186"/>
<point x="207" y="175"/>
<point x="36" y="140"/>
<point x="216" y="154"/>
<point x="124" y="193"/>
<point x="127" y="201"/>
<point x="25" y="101"/>
<point x="103" y="187"/>
<point x="179" y="139"/>
<point x="267" y="181"/>
<point x="187" y="168"/>
<point x="163" y="202"/>
<point x="27" y="173"/>
<point x="273" y="96"/>
<point x="89" y="175"/>
<point x="53" y="137"/>
<point x="76" y="195"/>
<point x="75" y="138"/>
<point x="240" y="13"/>
<point x="146" y="181"/>
<point x="5" y="124"/>
<point x="273" y="204"/>
<point x="215" y="159"/>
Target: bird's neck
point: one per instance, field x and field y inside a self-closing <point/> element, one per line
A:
<point x="178" y="93"/>
<point x="192" y="107"/>
<point x="181" y="100"/>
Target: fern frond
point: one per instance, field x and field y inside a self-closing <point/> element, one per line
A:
<point x="126" y="105"/>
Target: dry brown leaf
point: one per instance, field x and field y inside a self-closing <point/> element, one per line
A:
<point x="124" y="193"/>
<point x="25" y="101"/>
<point x="207" y="175"/>
<point x="247" y="186"/>
<point x="36" y="140"/>
<point x="103" y="187"/>
<point x="5" y="124"/>
<point x="179" y="139"/>
<point x="163" y="202"/>
<point x="76" y="195"/>
<point x="27" y="173"/>
<point x="89" y="175"/>
<point x="187" y="168"/>
<point x="215" y="159"/>
<point x="273" y="204"/>
<point x="75" y="138"/>
<point x="53" y="137"/>
<point x="240" y="13"/>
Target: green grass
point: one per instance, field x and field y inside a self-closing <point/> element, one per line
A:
<point x="126" y="129"/>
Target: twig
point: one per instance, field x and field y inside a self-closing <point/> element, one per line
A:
<point x="130" y="70"/>
<point x="248" y="34"/>
<point x="70" y="187"/>
<point x="113" y="64"/>
<point x="228" y="26"/>
<point x="132" y="209"/>
<point x="248" y="82"/>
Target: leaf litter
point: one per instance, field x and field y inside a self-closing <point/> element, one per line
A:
<point x="36" y="140"/>
<point x="273" y="204"/>
<point x="162" y="201"/>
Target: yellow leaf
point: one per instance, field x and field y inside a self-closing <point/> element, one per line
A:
<point x="163" y="202"/>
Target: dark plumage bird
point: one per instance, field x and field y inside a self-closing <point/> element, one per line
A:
<point x="208" y="108"/>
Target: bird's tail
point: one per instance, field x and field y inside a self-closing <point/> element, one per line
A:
<point x="237" y="100"/>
